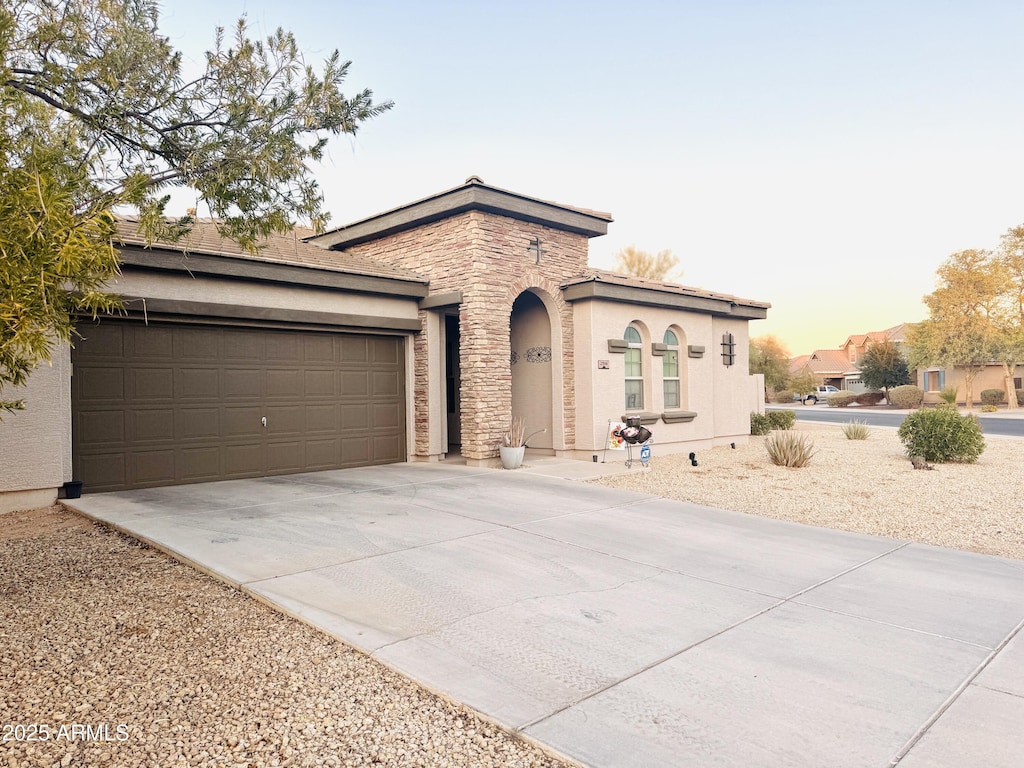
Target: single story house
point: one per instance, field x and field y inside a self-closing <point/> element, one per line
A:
<point x="414" y="334"/>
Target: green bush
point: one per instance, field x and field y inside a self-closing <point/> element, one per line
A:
<point x="870" y="398"/>
<point x="907" y="396"/>
<point x="841" y="399"/>
<point x="759" y="424"/>
<point x="948" y="395"/>
<point x="942" y="435"/>
<point x="789" y="449"/>
<point x="784" y="396"/>
<point x="992" y="396"/>
<point x="781" y="419"/>
<point x="856" y="430"/>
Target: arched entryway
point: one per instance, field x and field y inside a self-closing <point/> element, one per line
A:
<point x="533" y="368"/>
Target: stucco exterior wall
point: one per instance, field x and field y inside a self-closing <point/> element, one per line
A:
<point x="183" y="287"/>
<point x="35" y="444"/>
<point x="486" y="257"/>
<point x="990" y="378"/>
<point x="719" y="395"/>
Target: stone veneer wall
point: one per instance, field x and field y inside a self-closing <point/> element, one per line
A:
<point x="485" y="256"/>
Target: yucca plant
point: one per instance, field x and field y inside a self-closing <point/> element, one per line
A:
<point x="856" y="430"/>
<point x="789" y="449"/>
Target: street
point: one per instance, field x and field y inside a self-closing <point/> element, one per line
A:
<point x="991" y="424"/>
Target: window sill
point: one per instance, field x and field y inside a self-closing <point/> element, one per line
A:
<point x="676" y="417"/>
<point x="646" y="417"/>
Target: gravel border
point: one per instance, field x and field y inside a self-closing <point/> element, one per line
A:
<point x="168" y="667"/>
<point x="866" y="486"/>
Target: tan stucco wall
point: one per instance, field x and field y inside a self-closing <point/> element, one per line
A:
<point x="990" y="378"/>
<point x="485" y="256"/>
<point x="532" y="375"/>
<point x="35" y="444"/>
<point x="720" y="395"/>
<point x="182" y="287"/>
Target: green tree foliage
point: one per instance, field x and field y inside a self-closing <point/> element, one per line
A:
<point x="96" y="114"/>
<point x="660" y="266"/>
<point x="883" y="366"/>
<point x="769" y="357"/>
<point x="961" y="331"/>
<point x="1010" y="318"/>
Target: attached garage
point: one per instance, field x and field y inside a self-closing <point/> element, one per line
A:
<point x="170" y="403"/>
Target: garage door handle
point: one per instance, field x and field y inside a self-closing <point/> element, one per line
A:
<point x="263" y="421"/>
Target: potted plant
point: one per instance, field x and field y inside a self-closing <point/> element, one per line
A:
<point x="513" y="447"/>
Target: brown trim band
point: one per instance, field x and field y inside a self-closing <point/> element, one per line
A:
<point x="601" y="291"/>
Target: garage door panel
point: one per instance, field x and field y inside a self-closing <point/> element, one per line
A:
<point x="355" y="417"/>
<point x="150" y="344"/>
<point x="200" y="464"/>
<point x="386" y="383"/>
<point x="355" y="451"/>
<point x="161" y="404"/>
<point x="354" y="349"/>
<point x="98" y="384"/>
<point x="285" y="419"/>
<point x="285" y="457"/>
<point x="105" y="341"/>
<point x="355" y="384"/>
<point x="384" y="350"/>
<point x="322" y="418"/>
<point x="241" y="383"/>
<point x="318" y="349"/>
<point x="105" y="471"/>
<point x="150" y="385"/>
<point x="197" y="423"/>
<point x="198" y="384"/>
<point x="242" y="421"/>
<point x="284" y="347"/>
<point x="151" y="425"/>
<point x="322" y="454"/>
<point x="151" y="467"/>
<point x="243" y="460"/>
<point x="320" y="384"/>
<point x="284" y="384"/>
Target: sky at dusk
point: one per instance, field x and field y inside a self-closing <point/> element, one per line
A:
<point x="822" y="156"/>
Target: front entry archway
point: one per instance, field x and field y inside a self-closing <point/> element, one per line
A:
<point x="532" y="368"/>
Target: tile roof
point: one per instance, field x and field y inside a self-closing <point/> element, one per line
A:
<point x="278" y="248"/>
<point x="618" y="278"/>
<point x="823" y="361"/>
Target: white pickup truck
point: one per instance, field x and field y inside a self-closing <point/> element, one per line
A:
<point x="819" y="393"/>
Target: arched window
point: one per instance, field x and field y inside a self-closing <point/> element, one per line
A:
<point x="670" y="370"/>
<point x="634" y="370"/>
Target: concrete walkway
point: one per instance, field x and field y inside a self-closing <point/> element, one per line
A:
<point x="623" y="629"/>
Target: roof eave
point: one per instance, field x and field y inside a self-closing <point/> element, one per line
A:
<point x="469" y="197"/>
<point x="592" y="290"/>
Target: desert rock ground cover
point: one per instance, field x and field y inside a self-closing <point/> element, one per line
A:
<point x="867" y="486"/>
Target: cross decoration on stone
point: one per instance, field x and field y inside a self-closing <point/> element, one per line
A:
<point x="535" y="247"/>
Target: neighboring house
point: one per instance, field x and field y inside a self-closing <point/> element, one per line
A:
<point x="839" y="366"/>
<point x="411" y="335"/>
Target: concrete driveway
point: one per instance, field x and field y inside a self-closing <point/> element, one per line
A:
<point x="623" y="629"/>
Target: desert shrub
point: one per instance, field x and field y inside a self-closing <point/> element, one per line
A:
<point x="948" y="395"/>
<point x="784" y="396"/>
<point x="841" y="399"/>
<point x="992" y="396"/>
<point x="907" y="396"/>
<point x="759" y="424"/>
<point x="989" y="408"/>
<point x="870" y="398"/>
<point x="942" y="435"/>
<point x="789" y="449"/>
<point x="856" y="430"/>
<point x="781" y="419"/>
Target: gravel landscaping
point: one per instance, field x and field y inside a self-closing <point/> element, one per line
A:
<point x="112" y="653"/>
<point x="868" y="486"/>
<point x="168" y="667"/>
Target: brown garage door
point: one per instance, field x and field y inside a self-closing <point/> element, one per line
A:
<point x="165" y="404"/>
